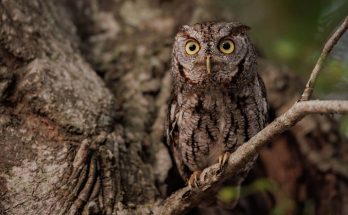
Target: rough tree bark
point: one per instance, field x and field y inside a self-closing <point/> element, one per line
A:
<point x="83" y="88"/>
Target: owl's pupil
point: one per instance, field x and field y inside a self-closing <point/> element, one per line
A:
<point x="192" y="47"/>
<point x="226" y="46"/>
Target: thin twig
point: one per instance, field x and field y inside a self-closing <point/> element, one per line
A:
<point x="185" y="199"/>
<point x="326" y="51"/>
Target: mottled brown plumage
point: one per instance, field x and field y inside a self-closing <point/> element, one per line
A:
<point x="218" y="100"/>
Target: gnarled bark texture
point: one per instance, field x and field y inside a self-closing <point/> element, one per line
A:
<point x="83" y="90"/>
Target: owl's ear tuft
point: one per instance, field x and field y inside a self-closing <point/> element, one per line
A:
<point x="183" y="31"/>
<point x="244" y="28"/>
<point x="240" y="29"/>
<point x="184" y="28"/>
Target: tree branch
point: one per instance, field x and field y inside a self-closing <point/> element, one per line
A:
<point x="326" y="51"/>
<point x="185" y="199"/>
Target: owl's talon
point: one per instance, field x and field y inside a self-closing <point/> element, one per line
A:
<point x="223" y="159"/>
<point x="193" y="181"/>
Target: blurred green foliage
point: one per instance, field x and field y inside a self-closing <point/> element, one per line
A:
<point x="293" y="32"/>
<point x="229" y="194"/>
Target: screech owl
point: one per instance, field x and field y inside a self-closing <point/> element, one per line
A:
<point x="218" y="99"/>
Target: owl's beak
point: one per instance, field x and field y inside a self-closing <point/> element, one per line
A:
<point x="208" y="64"/>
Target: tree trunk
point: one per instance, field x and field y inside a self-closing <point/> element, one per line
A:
<point x="83" y="91"/>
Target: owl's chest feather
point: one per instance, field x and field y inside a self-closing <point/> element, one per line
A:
<point x="209" y="125"/>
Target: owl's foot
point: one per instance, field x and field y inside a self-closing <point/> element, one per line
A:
<point x="193" y="181"/>
<point x="223" y="159"/>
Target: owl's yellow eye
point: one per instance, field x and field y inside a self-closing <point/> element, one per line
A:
<point x="226" y="46"/>
<point x="192" y="47"/>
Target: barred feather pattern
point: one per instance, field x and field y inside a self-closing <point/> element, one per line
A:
<point x="209" y="114"/>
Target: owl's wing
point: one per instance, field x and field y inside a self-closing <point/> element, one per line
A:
<point x="172" y="133"/>
<point x="265" y="106"/>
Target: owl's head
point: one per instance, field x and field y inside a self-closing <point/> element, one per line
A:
<point x="213" y="53"/>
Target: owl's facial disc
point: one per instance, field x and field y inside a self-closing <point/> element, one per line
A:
<point x="212" y="54"/>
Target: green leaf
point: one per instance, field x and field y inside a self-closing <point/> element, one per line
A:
<point x="228" y="194"/>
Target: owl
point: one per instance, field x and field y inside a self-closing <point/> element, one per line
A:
<point x="218" y="99"/>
